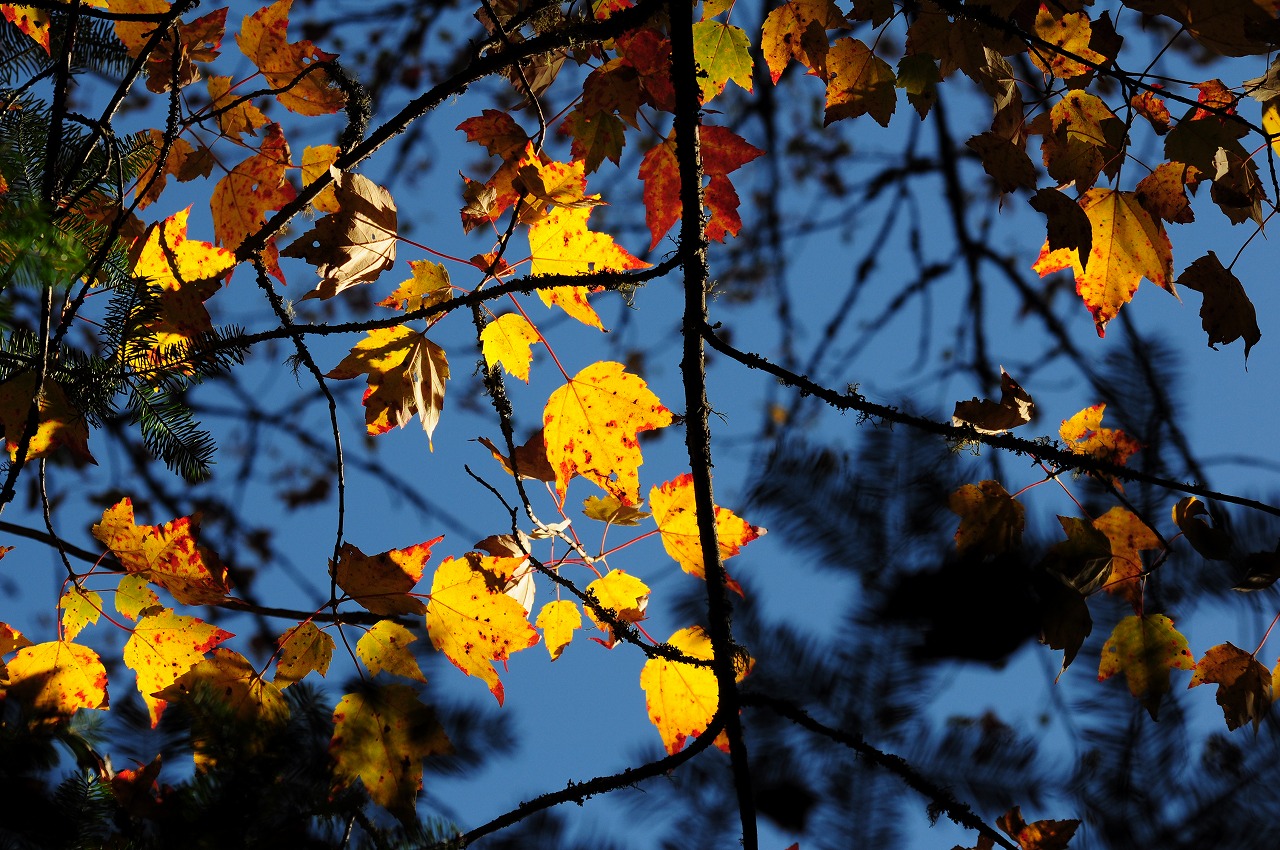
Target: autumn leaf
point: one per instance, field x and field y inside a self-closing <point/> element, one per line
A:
<point x="497" y="131"/>
<point x="723" y="52"/>
<point x="382" y="583"/>
<point x="1211" y="541"/>
<point x="80" y="608"/>
<point x="674" y="511"/>
<point x="60" y="424"/>
<point x="681" y="699"/>
<point x="240" y="119"/>
<point x="163" y="646"/>
<point x="473" y="624"/>
<point x="30" y="21"/>
<point x="544" y="183"/>
<point x="509" y="340"/>
<point x="723" y="152"/>
<point x="428" y="286"/>
<point x="167" y="258"/>
<point x="134" y="596"/>
<point x="183" y="162"/>
<point x="1068" y="225"/>
<point x="166" y="555"/>
<point x="10" y="640"/>
<point x="385" y="647"/>
<point x="1083" y="138"/>
<point x="1070" y="33"/>
<point x="1129" y="537"/>
<point x="610" y="510"/>
<point x="170" y="60"/>
<point x="242" y="199"/>
<point x="238" y="686"/>
<point x="562" y="244"/>
<point x="590" y="425"/>
<point x="381" y="735"/>
<point x="1163" y="192"/>
<point x="1084" y="435"/>
<point x="53" y="680"/>
<point x="1128" y="244"/>
<point x="1040" y="835"/>
<point x="1244" y="685"/>
<point x="991" y="521"/>
<point x="296" y="70"/>
<point x="1006" y="163"/>
<point x="918" y="76"/>
<point x="1152" y="107"/>
<point x="530" y="459"/>
<point x="798" y="30"/>
<point x="596" y="137"/>
<point x="354" y="245"/>
<point x="1083" y="559"/>
<point x="990" y="417"/>
<point x="1261" y="569"/>
<point x="1146" y="649"/>
<point x="1226" y="313"/>
<point x="406" y="374"/>
<point x="558" y="619"/>
<point x="316" y="161"/>
<point x="859" y="83"/>
<point x="626" y="596"/>
<point x="302" y="649"/>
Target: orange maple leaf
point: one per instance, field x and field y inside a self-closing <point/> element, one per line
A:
<point x="475" y="624"/>
<point x="1085" y="435"/>
<point x="241" y="200"/>
<point x="295" y="70"/>
<point x="798" y="30"/>
<point x="1244" y="684"/>
<point x="382" y="583"/>
<point x="590" y="425"/>
<point x="1128" y="244"/>
<point x="1129" y="537"/>
<point x="162" y="647"/>
<point x="30" y="21"/>
<point x="673" y="510"/>
<point x="681" y="698"/>
<point x="60" y="424"/>
<point x="239" y="120"/>
<point x="167" y="555"/>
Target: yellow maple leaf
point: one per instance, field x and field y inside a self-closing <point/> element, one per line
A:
<point x="681" y="699"/>
<point x="673" y="510"/>
<point x="407" y="374"/>
<point x="859" y="83"/>
<point x="53" y="680"/>
<point x="428" y="286"/>
<point x="386" y="647"/>
<point x="1085" y="435"/>
<point x="80" y="608"/>
<point x="1129" y="537"/>
<point x="623" y="594"/>
<point x="558" y="619"/>
<point x="590" y="425"/>
<point x="162" y="647"/>
<point x="316" y="160"/>
<point x="1146" y="649"/>
<point x="475" y="624"/>
<point x="798" y="30"/>
<point x="382" y="582"/>
<point x="1071" y="33"/>
<point x="381" y="736"/>
<point x="562" y="244"/>
<point x="239" y="120"/>
<point x="29" y="20"/>
<point x="167" y="555"/>
<point x="134" y="596"/>
<point x="303" y="648"/>
<point x="509" y="340"/>
<point x="1128" y="244"/>
<point x="263" y="38"/>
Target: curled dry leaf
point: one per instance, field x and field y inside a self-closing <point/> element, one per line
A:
<point x="1244" y="685"/>
<point x="1226" y="313"/>
<point x="989" y="417"/>
<point x="354" y="245"/>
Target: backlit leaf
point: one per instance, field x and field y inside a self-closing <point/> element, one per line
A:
<point x="382" y="583"/>
<point x="990" y="417"/>
<point x="60" y="424"/>
<point x="530" y="459"/>
<point x="1244" y="685"/>
<point x="80" y="608"/>
<point x="242" y="119"/>
<point x="562" y="244"/>
<point x="1070" y="33"/>
<point x="623" y="594"/>
<point x="428" y="286"/>
<point x="1211" y="541"/>
<point x="134" y="596"/>
<point x="53" y="680"/>
<point x="673" y="510"/>
<point x="385" y="647"/>
<point x="316" y="160"/>
<point x="610" y="510"/>
<point x="681" y="698"/>
<point x="1129" y="537"/>
<point x="798" y="30"/>
<point x="242" y="199"/>
<point x="473" y="624"/>
<point x="558" y="620"/>
<point x="29" y="20"/>
<point x="308" y="89"/>
<point x="1040" y="835"/>
<point x="381" y="735"/>
<point x="1128" y="244"/>
<point x="509" y="340"/>
<point x="162" y="647"/>
<point x="406" y="373"/>
<point x="590" y="425"/>
<point x="302" y="649"/>
<point x="724" y="53"/>
<point x="859" y="83"/>
<point x="240" y="687"/>
<point x="166" y="555"/>
<point x="354" y="245"/>
<point x="1146" y="649"/>
<point x="1084" y="434"/>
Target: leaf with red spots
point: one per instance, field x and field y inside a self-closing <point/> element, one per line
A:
<point x="382" y="583"/>
<point x="167" y="555"/>
<point x="674" y="511"/>
<point x="1147" y="650"/>
<point x="305" y="86"/>
<point x="162" y="647"/>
